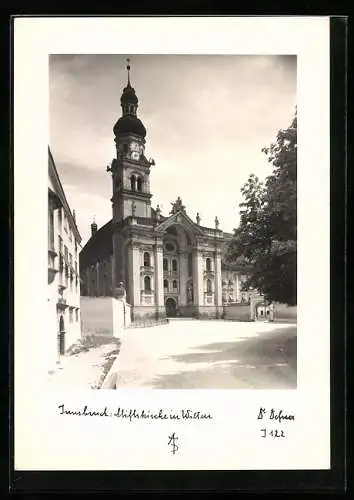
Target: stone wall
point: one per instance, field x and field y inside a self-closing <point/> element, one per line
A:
<point x="285" y="314"/>
<point x="237" y="312"/>
<point x="209" y="312"/>
<point x="104" y="315"/>
<point x="147" y="314"/>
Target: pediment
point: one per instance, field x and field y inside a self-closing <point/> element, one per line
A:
<point x="182" y="219"/>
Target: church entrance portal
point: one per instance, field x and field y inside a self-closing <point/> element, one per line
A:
<point x="171" y="307"/>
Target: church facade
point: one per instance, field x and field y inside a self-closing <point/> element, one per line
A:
<point x="164" y="265"/>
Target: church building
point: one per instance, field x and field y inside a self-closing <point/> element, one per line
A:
<point x="164" y="265"/>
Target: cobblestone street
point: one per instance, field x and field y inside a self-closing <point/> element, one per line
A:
<point x="192" y="354"/>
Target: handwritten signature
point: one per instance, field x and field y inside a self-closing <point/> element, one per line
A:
<point x="278" y="415"/>
<point x="172" y="442"/>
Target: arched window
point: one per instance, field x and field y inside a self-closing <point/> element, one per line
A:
<point x="174" y="285"/>
<point x="147" y="284"/>
<point x="165" y="284"/>
<point x="208" y="283"/>
<point x="174" y="265"/>
<point x="146" y="259"/>
<point x="208" y="264"/>
<point x="139" y="184"/>
<point x="165" y="264"/>
<point x="132" y="182"/>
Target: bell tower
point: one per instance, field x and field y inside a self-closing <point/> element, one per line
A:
<point x="130" y="169"/>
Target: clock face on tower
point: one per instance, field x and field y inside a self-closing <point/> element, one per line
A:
<point x="134" y="146"/>
<point x="135" y="155"/>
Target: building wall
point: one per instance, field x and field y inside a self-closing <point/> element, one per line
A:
<point x="104" y="315"/>
<point x="285" y="313"/>
<point x="142" y="208"/>
<point x="237" y="312"/>
<point x="97" y="279"/>
<point x="64" y="283"/>
<point x="50" y="341"/>
<point x="68" y="279"/>
<point x="212" y="286"/>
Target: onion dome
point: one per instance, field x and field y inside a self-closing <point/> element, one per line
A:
<point x="129" y="124"/>
<point x="129" y="96"/>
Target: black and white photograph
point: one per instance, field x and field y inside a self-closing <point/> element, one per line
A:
<point x="175" y="278"/>
<point x="172" y="218"/>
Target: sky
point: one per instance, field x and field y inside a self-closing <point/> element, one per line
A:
<point x="207" y="120"/>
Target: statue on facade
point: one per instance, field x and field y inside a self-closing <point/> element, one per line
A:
<point x="177" y="206"/>
<point x="120" y="292"/>
<point x="216" y="222"/>
<point x="190" y="293"/>
<point x="198" y="219"/>
<point x="158" y="212"/>
<point x="133" y="208"/>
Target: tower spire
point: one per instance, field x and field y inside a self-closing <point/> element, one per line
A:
<point x="94" y="226"/>
<point x="128" y="70"/>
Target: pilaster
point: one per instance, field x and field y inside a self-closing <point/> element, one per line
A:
<point x="198" y="286"/>
<point x="218" y="278"/>
<point x="134" y="274"/>
<point x="183" y="278"/>
<point x="158" y="256"/>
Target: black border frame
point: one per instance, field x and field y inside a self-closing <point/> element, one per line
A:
<point x="334" y="480"/>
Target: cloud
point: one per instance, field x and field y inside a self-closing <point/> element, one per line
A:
<point x="207" y="119"/>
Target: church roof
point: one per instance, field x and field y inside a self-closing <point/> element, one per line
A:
<point x="99" y="247"/>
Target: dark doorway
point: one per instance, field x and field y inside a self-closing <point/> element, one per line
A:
<point x="171" y="307"/>
<point x="61" y="336"/>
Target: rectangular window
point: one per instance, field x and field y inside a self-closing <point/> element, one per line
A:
<point x="66" y="252"/>
<point x="70" y="259"/>
<point x="70" y="314"/>
<point x="77" y="315"/>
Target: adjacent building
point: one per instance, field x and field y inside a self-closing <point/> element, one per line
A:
<point x="167" y="265"/>
<point x="63" y="270"/>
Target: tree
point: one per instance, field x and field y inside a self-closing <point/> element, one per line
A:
<point x="267" y="234"/>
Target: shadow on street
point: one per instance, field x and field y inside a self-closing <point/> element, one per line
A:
<point x="267" y="361"/>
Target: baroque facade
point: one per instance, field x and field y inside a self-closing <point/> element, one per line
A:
<point x="63" y="270"/>
<point x="168" y="265"/>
